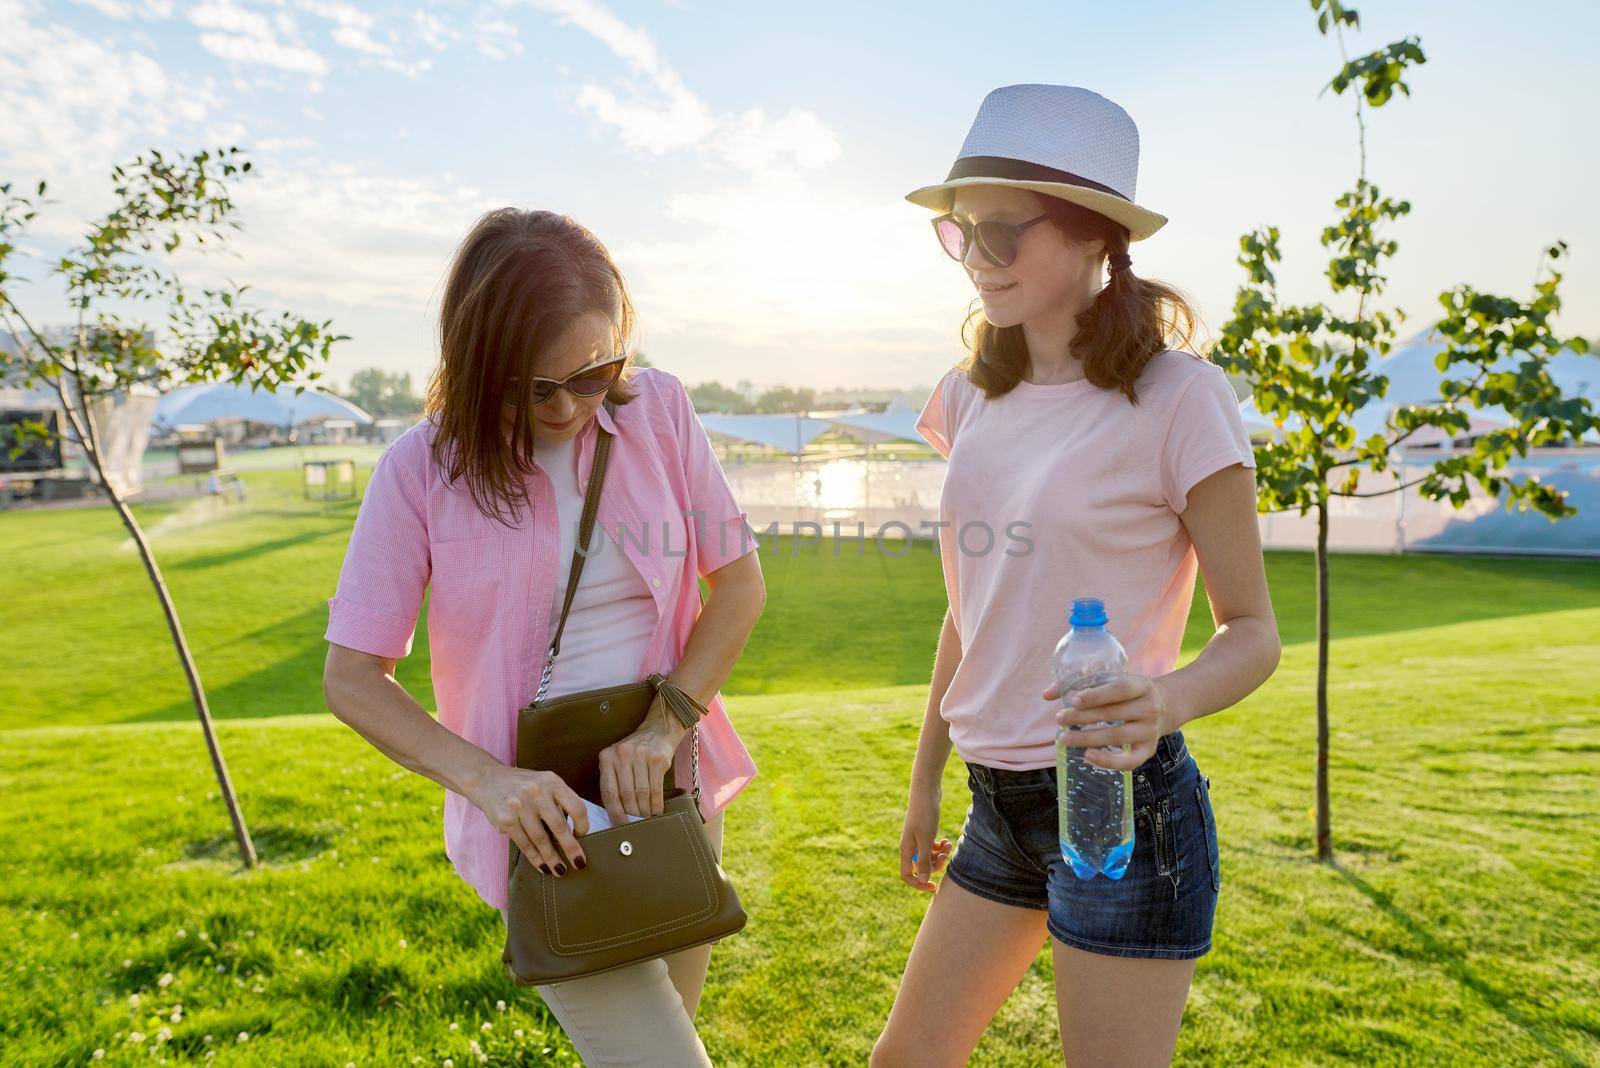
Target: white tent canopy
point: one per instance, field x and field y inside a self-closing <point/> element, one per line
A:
<point x="789" y="432"/>
<point x="222" y="400"/>
<point x="896" y="423"/>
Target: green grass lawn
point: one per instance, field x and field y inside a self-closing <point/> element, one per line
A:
<point x="1460" y="925"/>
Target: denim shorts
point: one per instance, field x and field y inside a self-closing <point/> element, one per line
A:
<point x="1163" y="906"/>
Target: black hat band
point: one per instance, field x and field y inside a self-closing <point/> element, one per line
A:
<point x="1021" y="170"/>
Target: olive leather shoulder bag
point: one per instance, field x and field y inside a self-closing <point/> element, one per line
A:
<point x="649" y="887"/>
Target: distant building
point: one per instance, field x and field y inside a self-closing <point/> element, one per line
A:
<point x="121" y="423"/>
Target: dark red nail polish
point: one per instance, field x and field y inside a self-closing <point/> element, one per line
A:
<point x="580" y="862"/>
<point x="544" y="868"/>
<point x="561" y="869"/>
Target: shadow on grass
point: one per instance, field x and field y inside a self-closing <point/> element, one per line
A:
<point x="292" y="684"/>
<point x="274" y="845"/>
<point x="1457" y="968"/>
<point x="366" y="986"/>
<point x="1382" y="594"/>
<point x="248" y="552"/>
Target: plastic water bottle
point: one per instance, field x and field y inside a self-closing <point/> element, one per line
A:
<point x="1095" y="804"/>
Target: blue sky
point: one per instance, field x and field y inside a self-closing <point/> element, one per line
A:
<point x="746" y="161"/>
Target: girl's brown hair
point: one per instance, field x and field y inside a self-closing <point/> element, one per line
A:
<point x="1129" y="321"/>
<point x="517" y="281"/>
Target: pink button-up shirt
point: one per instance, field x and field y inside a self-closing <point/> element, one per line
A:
<point x="492" y="610"/>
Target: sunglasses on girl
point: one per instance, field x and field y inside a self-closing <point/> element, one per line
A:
<point x="996" y="240"/>
<point x="590" y="381"/>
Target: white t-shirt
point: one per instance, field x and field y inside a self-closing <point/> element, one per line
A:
<point x="613" y="614"/>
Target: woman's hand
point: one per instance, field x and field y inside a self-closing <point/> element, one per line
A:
<point x="531" y="807"/>
<point x="920" y="853"/>
<point x="633" y="772"/>
<point x="1139" y="702"/>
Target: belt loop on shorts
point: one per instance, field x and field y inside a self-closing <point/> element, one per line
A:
<point x="1172" y="750"/>
<point x="983" y="776"/>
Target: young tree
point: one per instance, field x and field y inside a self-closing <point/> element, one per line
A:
<point x="210" y="337"/>
<point x="716" y="397"/>
<point x="1312" y="369"/>
<point x="787" y="399"/>
<point x="379" y="393"/>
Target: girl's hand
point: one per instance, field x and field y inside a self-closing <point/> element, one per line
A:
<point x="920" y="853"/>
<point x="531" y="808"/>
<point x="1139" y="702"/>
<point x="633" y="772"/>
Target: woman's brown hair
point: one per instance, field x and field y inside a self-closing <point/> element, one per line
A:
<point x="517" y="281"/>
<point x="1129" y="321"/>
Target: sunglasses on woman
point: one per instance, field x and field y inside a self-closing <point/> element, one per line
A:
<point x="590" y="381"/>
<point x="996" y="240"/>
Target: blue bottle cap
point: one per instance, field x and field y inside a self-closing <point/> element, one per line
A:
<point x="1088" y="612"/>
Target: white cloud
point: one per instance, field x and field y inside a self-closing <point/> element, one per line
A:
<point x="74" y="106"/>
<point x="754" y="142"/>
<point x="247" y="36"/>
<point x="657" y="112"/>
<point x="341" y="13"/>
<point x="495" y="38"/>
<point x="226" y="133"/>
<point x="629" y="43"/>
<point x="360" y="40"/>
<point x="242" y="36"/>
<point x="316" y="230"/>
<point x="352" y="28"/>
<point x="768" y="259"/>
<point x="675" y="119"/>
<point x="239" y="49"/>
<point x="410" y="70"/>
<point x="229" y="18"/>
<point x="122" y="9"/>
<point x="434" y="33"/>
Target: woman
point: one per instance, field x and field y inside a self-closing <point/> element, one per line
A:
<point x="1121" y="461"/>
<point x="480" y="503"/>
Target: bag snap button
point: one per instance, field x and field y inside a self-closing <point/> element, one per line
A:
<point x="626" y="849"/>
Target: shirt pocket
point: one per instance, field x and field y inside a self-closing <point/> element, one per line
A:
<point x="463" y="594"/>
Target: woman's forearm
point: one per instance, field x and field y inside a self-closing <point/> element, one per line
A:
<point x="362" y="691"/>
<point x="737" y="595"/>
<point x="1240" y="656"/>
<point x="933" y="743"/>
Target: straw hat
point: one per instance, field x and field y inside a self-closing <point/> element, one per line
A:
<point x="1058" y="140"/>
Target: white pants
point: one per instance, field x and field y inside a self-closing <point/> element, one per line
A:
<point x="642" y="1014"/>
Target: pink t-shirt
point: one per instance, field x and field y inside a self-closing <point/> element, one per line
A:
<point x="491" y="603"/>
<point x="1062" y="491"/>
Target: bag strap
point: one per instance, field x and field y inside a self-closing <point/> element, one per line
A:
<point x="580" y="552"/>
<point x="682" y="706"/>
<point x="591" y="507"/>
